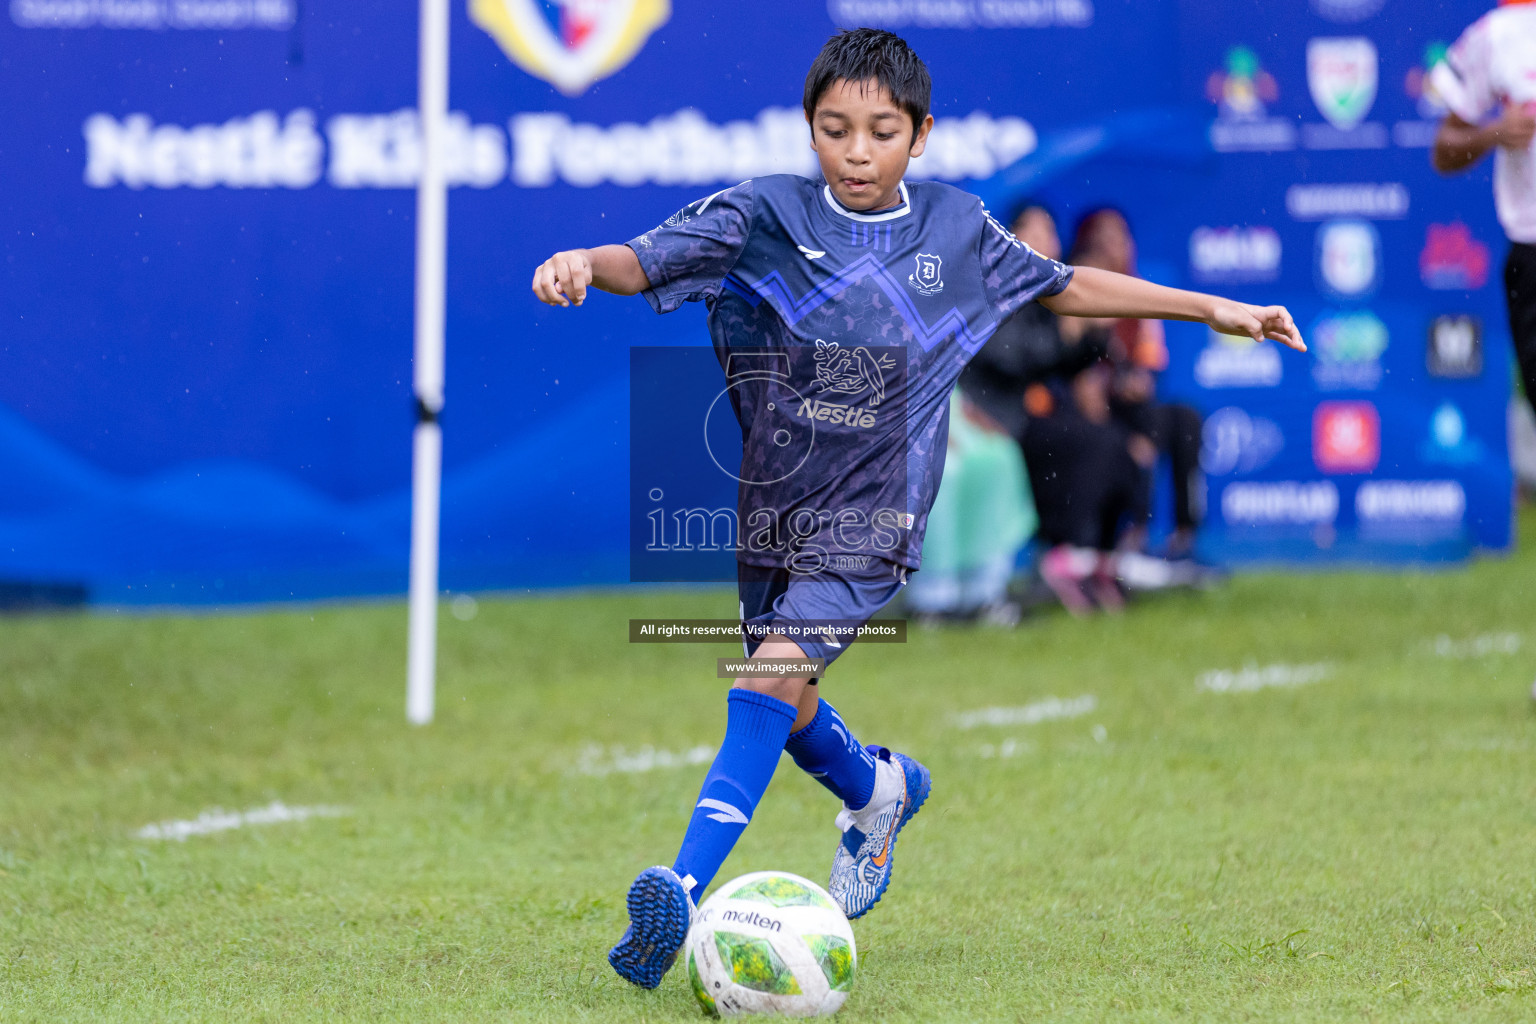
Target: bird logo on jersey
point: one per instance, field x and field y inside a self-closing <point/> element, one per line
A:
<point x="850" y="373"/>
<point x="926" y="278"/>
<point x="570" y="43"/>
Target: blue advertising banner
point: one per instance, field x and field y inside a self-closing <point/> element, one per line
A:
<point x="208" y="244"/>
<point x="1388" y="441"/>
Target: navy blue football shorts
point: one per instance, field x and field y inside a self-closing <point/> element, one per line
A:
<point x="820" y="612"/>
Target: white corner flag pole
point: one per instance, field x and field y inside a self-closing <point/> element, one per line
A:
<point x="431" y="276"/>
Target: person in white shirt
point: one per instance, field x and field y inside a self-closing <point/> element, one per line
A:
<point x="1488" y="81"/>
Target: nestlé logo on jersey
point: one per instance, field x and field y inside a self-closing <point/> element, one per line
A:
<point x="852" y="373"/>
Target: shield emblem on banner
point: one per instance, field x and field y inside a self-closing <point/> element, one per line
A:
<point x="1348" y="256"/>
<point x="1341" y="74"/>
<point x="570" y="43"/>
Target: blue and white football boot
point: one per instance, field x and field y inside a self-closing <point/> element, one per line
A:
<point x="660" y="913"/>
<point x="861" y="867"/>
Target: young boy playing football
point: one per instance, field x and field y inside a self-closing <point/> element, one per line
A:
<point x="878" y="292"/>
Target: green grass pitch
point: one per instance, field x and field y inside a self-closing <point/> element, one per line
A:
<point x="1358" y="847"/>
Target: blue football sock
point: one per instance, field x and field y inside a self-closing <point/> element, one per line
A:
<point x="827" y="750"/>
<point x="756" y="726"/>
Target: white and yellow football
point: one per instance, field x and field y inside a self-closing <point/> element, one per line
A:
<point x="772" y="943"/>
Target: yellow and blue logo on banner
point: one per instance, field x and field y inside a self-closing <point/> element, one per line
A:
<point x="570" y="43"/>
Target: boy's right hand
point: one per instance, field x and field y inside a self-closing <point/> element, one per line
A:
<point x="562" y="279"/>
<point x="1516" y="127"/>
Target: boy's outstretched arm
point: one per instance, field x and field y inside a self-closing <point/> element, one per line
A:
<point x="563" y="279"/>
<point x="1102" y="293"/>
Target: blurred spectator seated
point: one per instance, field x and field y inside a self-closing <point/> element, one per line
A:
<point x="1027" y="348"/>
<point x="1138" y="352"/>
<point x="1051" y="384"/>
<point x="1085" y="482"/>
<point x="1089" y="475"/>
<point x="981" y="519"/>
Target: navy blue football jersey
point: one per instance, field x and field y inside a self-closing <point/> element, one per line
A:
<point x="841" y="335"/>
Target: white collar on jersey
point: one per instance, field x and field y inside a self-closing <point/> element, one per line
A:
<point x="870" y="218"/>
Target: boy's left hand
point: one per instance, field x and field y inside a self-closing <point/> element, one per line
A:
<point x="1256" y="322"/>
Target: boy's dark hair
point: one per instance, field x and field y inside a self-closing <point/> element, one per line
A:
<point x="871" y="54"/>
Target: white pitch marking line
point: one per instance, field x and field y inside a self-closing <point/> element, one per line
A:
<point x="1478" y="646"/>
<point x="1253" y="677"/>
<point x="1049" y="710"/>
<point x="594" y="760"/>
<point x="218" y="820"/>
<point x="1008" y="748"/>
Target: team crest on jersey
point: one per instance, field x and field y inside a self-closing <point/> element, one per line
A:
<point x="570" y="43"/>
<point x="927" y="278"/>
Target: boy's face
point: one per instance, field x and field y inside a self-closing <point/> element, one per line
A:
<point x="863" y="141"/>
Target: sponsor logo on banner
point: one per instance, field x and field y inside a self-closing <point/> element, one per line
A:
<point x="1342" y="77"/>
<point x="223" y="15"/>
<point x="1287" y="503"/>
<point x="570" y="43"/>
<point x="259" y="151"/>
<point x="1346" y="437"/>
<point x="1347" y="348"/>
<point x="687" y="149"/>
<point x="1455" y="347"/>
<point x="1243" y="87"/>
<point x="1448" y="442"/>
<point x="1228" y="362"/>
<point x="1240" y="91"/>
<point x="1419" y="84"/>
<point x="1410" y="501"/>
<point x="1347" y="12"/>
<point x="1232" y="254"/>
<point x="1234" y="441"/>
<point x="1348" y="257"/>
<point x="961" y="13"/>
<point x="1452" y="260"/>
<point x="1384" y="201"/>
<point x="384" y="150"/>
